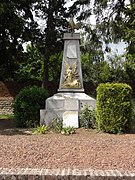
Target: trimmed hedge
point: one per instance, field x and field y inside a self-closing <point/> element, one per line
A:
<point x="114" y="107"/>
<point x="27" y="105"/>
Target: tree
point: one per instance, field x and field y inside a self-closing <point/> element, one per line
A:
<point x="92" y="56"/>
<point x="117" y="68"/>
<point x="114" y="19"/>
<point x="130" y="67"/>
<point x="91" y="45"/>
<point x="79" y="8"/>
<point x="98" y="72"/>
<point x="16" y="27"/>
<point x="114" y="22"/>
<point x="54" y="13"/>
<point x="55" y="63"/>
<point x="32" y="67"/>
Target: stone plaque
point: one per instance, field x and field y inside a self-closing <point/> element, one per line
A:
<point x="71" y="51"/>
<point x="70" y="118"/>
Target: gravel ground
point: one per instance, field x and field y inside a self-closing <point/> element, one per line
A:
<point x="85" y="149"/>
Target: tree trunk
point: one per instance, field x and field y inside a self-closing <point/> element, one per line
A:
<point x="48" y="45"/>
<point x="45" y="75"/>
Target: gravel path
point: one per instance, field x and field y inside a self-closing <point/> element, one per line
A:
<point x="85" y="149"/>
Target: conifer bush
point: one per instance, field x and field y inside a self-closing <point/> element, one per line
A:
<point x="113" y="107"/>
<point x="27" y="105"/>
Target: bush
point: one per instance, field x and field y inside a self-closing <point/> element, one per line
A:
<point x="132" y="129"/>
<point x="113" y="107"/>
<point x="27" y="105"/>
<point x="87" y="117"/>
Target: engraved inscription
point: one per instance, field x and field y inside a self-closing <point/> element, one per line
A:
<point x="71" y="51"/>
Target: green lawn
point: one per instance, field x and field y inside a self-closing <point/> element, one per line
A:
<point x="6" y="116"/>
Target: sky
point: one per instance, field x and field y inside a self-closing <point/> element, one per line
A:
<point x="120" y="47"/>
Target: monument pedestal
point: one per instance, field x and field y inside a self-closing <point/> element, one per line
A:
<point x="65" y="107"/>
<point x="70" y="99"/>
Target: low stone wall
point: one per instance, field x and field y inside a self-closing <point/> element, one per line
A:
<point x="6" y="105"/>
<point x="70" y="174"/>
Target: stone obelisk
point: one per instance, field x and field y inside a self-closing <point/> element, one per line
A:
<point x="70" y="99"/>
<point x="71" y="72"/>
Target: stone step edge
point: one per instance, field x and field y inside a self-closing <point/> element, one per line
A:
<point x="66" y="172"/>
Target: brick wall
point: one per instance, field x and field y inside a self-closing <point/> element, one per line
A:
<point x="6" y="105"/>
<point x="69" y="174"/>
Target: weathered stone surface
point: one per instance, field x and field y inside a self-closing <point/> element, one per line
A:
<point x="71" y="57"/>
<point x="69" y="101"/>
<point x="55" y="102"/>
<point x="71" y="51"/>
<point x="63" y="102"/>
<point x="71" y="104"/>
<point x="47" y="116"/>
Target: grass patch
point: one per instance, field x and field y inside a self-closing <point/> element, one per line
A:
<point x="6" y="116"/>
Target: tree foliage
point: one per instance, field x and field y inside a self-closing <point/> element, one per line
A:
<point x="16" y="27"/>
<point x="32" y="67"/>
<point x="114" y="23"/>
<point x="130" y="67"/>
<point x="117" y="68"/>
<point x="54" y="13"/>
<point x="114" y="19"/>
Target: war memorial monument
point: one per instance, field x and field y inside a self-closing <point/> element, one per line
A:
<point x="71" y="98"/>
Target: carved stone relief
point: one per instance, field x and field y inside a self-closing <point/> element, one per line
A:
<point x="71" y="79"/>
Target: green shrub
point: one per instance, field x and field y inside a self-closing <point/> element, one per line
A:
<point x="27" y="105"/>
<point x="114" y="107"/>
<point x="68" y="130"/>
<point x="132" y="129"/>
<point x="87" y="117"/>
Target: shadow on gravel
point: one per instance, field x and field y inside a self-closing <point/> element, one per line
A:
<point x="15" y="131"/>
<point x="6" y="123"/>
<point x="7" y="127"/>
